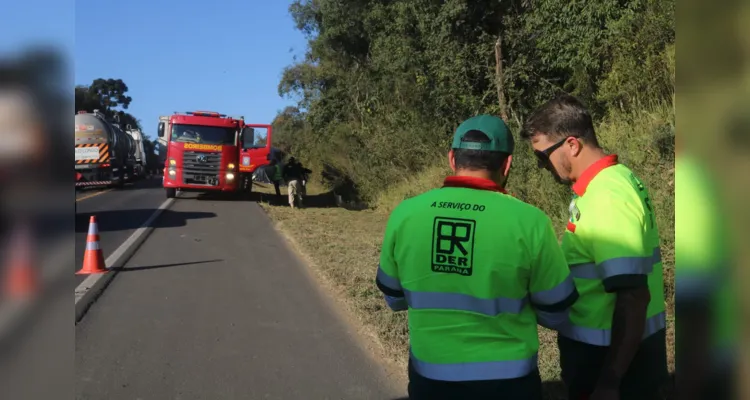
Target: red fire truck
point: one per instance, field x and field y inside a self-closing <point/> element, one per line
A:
<point x="255" y="152"/>
<point x="202" y="148"/>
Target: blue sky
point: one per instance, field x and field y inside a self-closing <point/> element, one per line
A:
<point x="34" y="22"/>
<point x="185" y="55"/>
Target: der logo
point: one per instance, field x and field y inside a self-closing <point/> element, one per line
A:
<point x="453" y="245"/>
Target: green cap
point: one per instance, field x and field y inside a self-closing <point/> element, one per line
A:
<point x="501" y="139"/>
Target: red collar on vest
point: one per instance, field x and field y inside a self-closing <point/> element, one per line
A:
<point x="588" y="175"/>
<point x="470" y="182"/>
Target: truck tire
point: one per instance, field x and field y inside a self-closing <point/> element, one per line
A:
<point x="171" y="193"/>
<point x="118" y="179"/>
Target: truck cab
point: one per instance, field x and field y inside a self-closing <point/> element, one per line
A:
<point x="255" y="152"/>
<point x="202" y="149"/>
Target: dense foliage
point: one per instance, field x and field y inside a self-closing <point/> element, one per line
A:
<point x="384" y="83"/>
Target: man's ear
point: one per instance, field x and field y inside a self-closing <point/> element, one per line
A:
<point x="575" y="146"/>
<point x="506" y="168"/>
<point x="452" y="160"/>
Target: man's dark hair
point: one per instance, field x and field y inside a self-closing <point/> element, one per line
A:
<point x="559" y="118"/>
<point x="478" y="159"/>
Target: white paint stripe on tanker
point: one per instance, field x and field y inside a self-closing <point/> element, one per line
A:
<point x="91" y="288"/>
<point x="93" y="183"/>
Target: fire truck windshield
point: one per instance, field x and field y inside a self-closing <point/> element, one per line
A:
<point x="203" y="134"/>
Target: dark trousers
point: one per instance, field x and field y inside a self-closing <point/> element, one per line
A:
<point x="581" y="364"/>
<point x="276" y="186"/>
<point x="577" y="394"/>
<point x="526" y="388"/>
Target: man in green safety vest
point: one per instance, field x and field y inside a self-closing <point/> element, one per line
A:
<point x="473" y="266"/>
<point x="705" y="294"/>
<point x="276" y="176"/>
<point x="613" y="343"/>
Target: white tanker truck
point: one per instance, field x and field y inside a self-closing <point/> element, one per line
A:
<point x="140" y="152"/>
<point x="104" y="153"/>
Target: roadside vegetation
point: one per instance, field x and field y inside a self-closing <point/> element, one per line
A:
<point x="384" y="84"/>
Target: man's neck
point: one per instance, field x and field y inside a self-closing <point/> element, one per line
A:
<point x="474" y="174"/>
<point x="589" y="156"/>
<point x="479" y="174"/>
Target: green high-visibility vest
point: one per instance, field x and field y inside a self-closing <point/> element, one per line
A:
<point x="470" y="262"/>
<point x="277" y="174"/>
<point x="611" y="242"/>
<point x="702" y="270"/>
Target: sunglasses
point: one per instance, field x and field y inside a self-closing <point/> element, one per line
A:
<point x="543" y="155"/>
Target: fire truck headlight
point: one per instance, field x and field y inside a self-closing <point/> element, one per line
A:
<point x="230" y="176"/>
<point x="172" y="172"/>
<point x="230" y="166"/>
<point x="172" y="162"/>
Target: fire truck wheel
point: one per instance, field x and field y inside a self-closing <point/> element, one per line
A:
<point x="171" y="192"/>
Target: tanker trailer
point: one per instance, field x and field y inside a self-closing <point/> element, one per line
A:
<point x="140" y="152"/>
<point x="130" y="161"/>
<point x="101" y="151"/>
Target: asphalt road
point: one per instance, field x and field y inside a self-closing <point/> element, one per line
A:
<point x="214" y="306"/>
<point x="119" y="213"/>
<point x="36" y="360"/>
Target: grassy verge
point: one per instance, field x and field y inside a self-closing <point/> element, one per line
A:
<point x="344" y="246"/>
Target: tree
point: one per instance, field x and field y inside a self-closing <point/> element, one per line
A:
<point x="111" y="93"/>
<point x="383" y="84"/>
<point x="106" y="95"/>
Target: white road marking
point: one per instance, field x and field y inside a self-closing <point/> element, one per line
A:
<point x="89" y="290"/>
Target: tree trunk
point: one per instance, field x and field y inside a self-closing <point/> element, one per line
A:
<point x="499" y="79"/>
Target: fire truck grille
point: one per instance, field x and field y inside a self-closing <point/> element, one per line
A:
<point x="199" y="168"/>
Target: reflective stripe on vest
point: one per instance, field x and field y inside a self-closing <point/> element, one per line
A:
<point x="603" y="337"/>
<point x="474" y="371"/>
<point x="617" y="266"/>
<point x="388" y="281"/>
<point x="464" y="302"/>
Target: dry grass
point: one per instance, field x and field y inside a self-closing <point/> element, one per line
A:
<point x="344" y="246"/>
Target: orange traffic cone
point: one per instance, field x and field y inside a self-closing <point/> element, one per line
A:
<point x="93" y="258"/>
<point x="21" y="278"/>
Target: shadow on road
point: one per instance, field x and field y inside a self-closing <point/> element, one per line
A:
<point x="148" y="183"/>
<point x="123" y="220"/>
<point x="322" y="200"/>
<point x="160" y="266"/>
